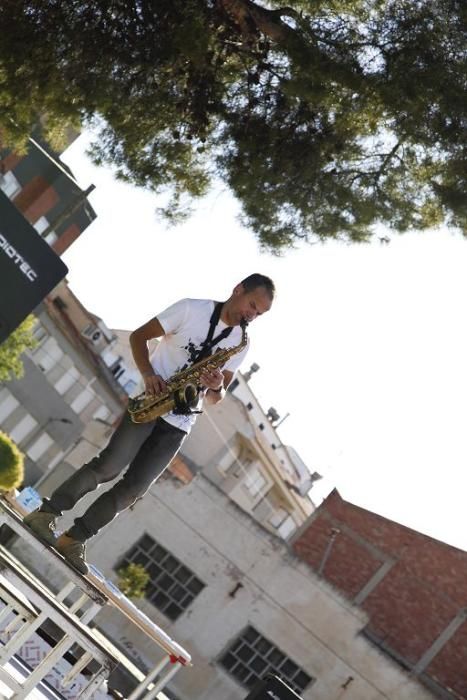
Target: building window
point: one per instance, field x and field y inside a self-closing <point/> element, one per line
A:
<point x="118" y="370"/>
<point x="82" y="400"/>
<point x="66" y="381"/>
<point x="261" y="426"/>
<point x="254" y="481"/>
<point x="278" y="517"/>
<point x="130" y="386"/>
<point x="287" y="527"/>
<point x="8" y="403"/>
<point x="40" y="446"/>
<point x="23" y="428"/>
<point x="41" y="224"/>
<point x="59" y="303"/>
<point x="251" y="656"/>
<point x="47" y="355"/>
<point x="9" y="184"/>
<point x="249" y="406"/>
<point x="101" y="413"/>
<point x="172" y="586"/>
<point x="39" y="332"/>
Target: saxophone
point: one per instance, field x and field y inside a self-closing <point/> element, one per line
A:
<point x="183" y="387"/>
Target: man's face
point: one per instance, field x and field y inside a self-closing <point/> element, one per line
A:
<point x="249" y="305"/>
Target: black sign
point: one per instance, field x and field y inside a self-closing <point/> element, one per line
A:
<point x="271" y="687"/>
<point x="29" y="268"/>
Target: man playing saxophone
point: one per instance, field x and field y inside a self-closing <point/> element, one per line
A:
<point x="202" y="342"/>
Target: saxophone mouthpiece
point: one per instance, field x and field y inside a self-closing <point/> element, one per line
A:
<point x="243" y="323"/>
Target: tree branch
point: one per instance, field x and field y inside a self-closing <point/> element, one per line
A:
<point x="251" y="18"/>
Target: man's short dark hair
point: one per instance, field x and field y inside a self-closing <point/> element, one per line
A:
<point x="256" y="280"/>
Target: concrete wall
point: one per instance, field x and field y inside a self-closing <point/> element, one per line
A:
<point x="280" y="597"/>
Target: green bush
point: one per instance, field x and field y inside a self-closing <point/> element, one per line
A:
<point x="11" y="350"/>
<point x="11" y="464"/>
<point x="132" y="580"/>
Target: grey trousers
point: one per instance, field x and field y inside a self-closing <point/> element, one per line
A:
<point x="147" y="448"/>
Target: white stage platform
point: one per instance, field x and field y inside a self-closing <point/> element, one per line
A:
<point x="28" y="604"/>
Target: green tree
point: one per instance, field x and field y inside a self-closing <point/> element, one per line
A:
<point x="11" y="464"/>
<point x="322" y="118"/>
<point x="13" y="347"/>
<point x="132" y="580"/>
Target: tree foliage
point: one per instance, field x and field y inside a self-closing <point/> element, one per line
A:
<point x="323" y="118"/>
<point x="13" y="347"/>
<point x="133" y="580"/>
<point x="11" y="464"/>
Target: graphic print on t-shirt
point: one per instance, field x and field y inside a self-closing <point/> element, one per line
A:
<point x="192" y="352"/>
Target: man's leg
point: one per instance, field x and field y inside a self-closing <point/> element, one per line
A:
<point x="121" y="449"/>
<point x="154" y="455"/>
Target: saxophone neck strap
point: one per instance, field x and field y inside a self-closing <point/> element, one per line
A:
<point x="210" y="341"/>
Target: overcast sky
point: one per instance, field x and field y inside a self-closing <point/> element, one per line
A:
<point x="365" y="346"/>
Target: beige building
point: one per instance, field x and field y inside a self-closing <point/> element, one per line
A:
<point x="238" y="448"/>
<point x="72" y="393"/>
<point x="242" y="604"/>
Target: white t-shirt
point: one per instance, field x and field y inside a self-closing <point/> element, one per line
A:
<point x="186" y="325"/>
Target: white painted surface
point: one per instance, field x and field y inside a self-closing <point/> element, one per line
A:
<point x="280" y="597"/>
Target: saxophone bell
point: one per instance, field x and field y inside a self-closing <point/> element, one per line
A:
<point x="186" y="399"/>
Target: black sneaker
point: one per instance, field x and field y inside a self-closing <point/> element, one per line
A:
<point x="42" y="524"/>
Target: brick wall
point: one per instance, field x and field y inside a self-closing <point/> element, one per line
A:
<point x="36" y="198"/>
<point x="411" y="585"/>
<point x="66" y="239"/>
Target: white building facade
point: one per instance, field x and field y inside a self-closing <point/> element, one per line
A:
<point x="236" y="597"/>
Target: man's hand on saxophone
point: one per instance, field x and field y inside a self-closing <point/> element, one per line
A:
<point x="212" y="379"/>
<point x="153" y="383"/>
<point x="216" y="381"/>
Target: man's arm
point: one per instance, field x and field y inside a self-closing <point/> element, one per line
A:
<point x="154" y="384"/>
<point x="214" y="381"/>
